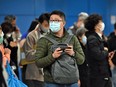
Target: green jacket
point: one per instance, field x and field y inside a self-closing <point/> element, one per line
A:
<point x="44" y="58"/>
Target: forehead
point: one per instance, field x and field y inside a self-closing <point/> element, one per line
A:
<point x="54" y="16"/>
<point x="80" y="19"/>
<point x="13" y="21"/>
<point x="45" y="22"/>
<point x="99" y="22"/>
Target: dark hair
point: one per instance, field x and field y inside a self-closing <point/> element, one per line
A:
<point x="61" y="14"/>
<point x="92" y="21"/>
<point x="80" y="32"/>
<point x="42" y="17"/>
<point x="9" y="18"/>
<point x="7" y="27"/>
<point x="32" y="26"/>
<point x="115" y="26"/>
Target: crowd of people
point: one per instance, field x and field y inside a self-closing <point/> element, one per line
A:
<point x="49" y="55"/>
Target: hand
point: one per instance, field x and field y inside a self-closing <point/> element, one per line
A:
<point x="111" y="54"/>
<point x="69" y="50"/>
<point x="79" y="83"/>
<point x="111" y="64"/>
<point x="57" y="53"/>
<point x="13" y="44"/>
<point x="7" y="51"/>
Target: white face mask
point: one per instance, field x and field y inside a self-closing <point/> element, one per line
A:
<point x="54" y="26"/>
<point x="103" y="26"/>
<point x="82" y="25"/>
<point x="84" y="40"/>
<point x="8" y="35"/>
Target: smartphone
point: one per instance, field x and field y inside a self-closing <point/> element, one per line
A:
<point x="68" y="47"/>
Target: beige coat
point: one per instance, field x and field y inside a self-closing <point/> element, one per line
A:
<point x="32" y="72"/>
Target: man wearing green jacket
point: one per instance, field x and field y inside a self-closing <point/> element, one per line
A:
<point x="45" y="57"/>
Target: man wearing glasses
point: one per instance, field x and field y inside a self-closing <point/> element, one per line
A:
<point x="46" y="58"/>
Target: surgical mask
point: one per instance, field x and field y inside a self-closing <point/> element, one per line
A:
<point x="8" y="35"/>
<point x="45" y="30"/>
<point x="82" y="25"/>
<point x="55" y="26"/>
<point x="1" y="38"/>
<point x="84" y="40"/>
<point x="103" y="26"/>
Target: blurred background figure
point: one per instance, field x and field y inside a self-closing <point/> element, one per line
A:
<point x="16" y="31"/>
<point x="97" y="53"/>
<point x="112" y="47"/>
<point x="34" y="75"/>
<point x="33" y="25"/>
<point x="11" y="39"/>
<point x="83" y="69"/>
<point x="79" y="24"/>
<point x="4" y="57"/>
<point x="8" y="42"/>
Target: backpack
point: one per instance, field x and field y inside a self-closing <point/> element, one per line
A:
<point x="64" y="70"/>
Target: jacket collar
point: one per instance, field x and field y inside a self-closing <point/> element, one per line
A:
<point x="98" y="37"/>
<point x="65" y="34"/>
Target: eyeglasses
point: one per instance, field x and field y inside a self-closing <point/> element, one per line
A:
<point x="55" y="20"/>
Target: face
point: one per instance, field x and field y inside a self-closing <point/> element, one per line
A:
<point x="45" y="25"/>
<point x="57" y="19"/>
<point x="80" y="38"/>
<point x="80" y="23"/>
<point x="13" y="23"/>
<point x="115" y="32"/>
<point x="100" y="26"/>
<point x="0" y="31"/>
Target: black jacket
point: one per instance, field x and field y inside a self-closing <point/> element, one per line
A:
<point x="97" y="57"/>
<point x="112" y="45"/>
<point x="13" y="54"/>
<point x="83" y="69"/>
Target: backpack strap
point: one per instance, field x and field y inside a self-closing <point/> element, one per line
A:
<point x="55" y="42"/>
<point x="52" y="40"/>
<point x="68" y="39"/>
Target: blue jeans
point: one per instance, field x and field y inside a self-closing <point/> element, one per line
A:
<point x="60" y="85"/>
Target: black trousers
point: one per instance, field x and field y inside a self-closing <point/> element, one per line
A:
<point x="34" y="83"/>
<point x="84" y="81"/>
<point x="100" y="82"/>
